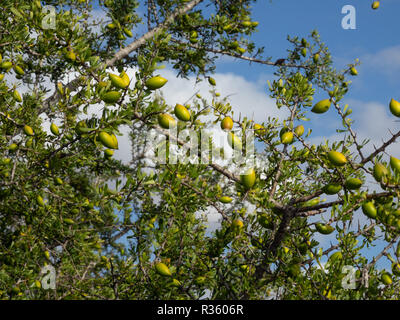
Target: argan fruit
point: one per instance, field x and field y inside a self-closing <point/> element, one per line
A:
<point x="258" y="128"/>
<point x="111" y="26"/>
<point x="303" y="52"/>
<point x="54" y="129"/>
<point x="38" y="284"/>
<point x="395" y="164"/>
<point x="353" y="71"/>
<point x="115" y="141"/>
<point x="107" y="140"/>
<point x="117" y="81"/>
<point x="237" y="224"/>
<point x="234" y="141"/>
<point x="128" y="32"/>
<point x="337" y="158"/>
<point x="28" y="130"/>
<point x="108" y="153"/>
<point x="321" y="106"/>
<point x="40" y="201"/>
<point x="58" y="181"/>
<point x="336" y="256"/>
<point x="166" y="121"/>
<point x="353" y="184"/>
<point x="47" y="255"/>
<point x="394" y="107"/>
<point x="246" y="24"/>
<point x="332" y="188"/>
<point x="287" y="137"/>
<point x="1" y="77"/>
<point x="69" y="221"/>
<point x="6" y="65"/>
<point x="155" y="82"/>
<point x="380" y="171"/>
<point x="324" y="228"/>
<point x="181" y="112"/>
<point x="225" y="199"/>
<point x="12" y="147"/>
<point x="176" y="283"/>
<point x="227" y="124"/>
<point x="17" y="96"/>
<point x="29" y="142"/>
<point x="368" y="208"/>
<point x="316" y="58"/>
<point x="396" y="269"/>
<point x="124" y="76"/>
<point x="211" y="81"/>
<point x="299" y="130"/>
<point x="70" y="55"/>
<point x="163" y="270"/>
<point x="200" y="280"/>
<point x="111" y="96"/>
<point x="18" y="70"/>
<point x="375" y="5"/>
<point x="386" y="279"/>
<point x="248" y="179"/>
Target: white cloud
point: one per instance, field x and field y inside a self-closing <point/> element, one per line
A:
<point x="386" y="60"/>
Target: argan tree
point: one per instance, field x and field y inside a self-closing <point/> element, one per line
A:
<point x="106" y="229"/>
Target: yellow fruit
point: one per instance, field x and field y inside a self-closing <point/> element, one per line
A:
<point x="18" y="70"/>
<point x="258" y="128"/>
<point x="70" y="55"/>
<point x="166" y="121"/>
<point x="40" y="201"/>
<point x="155" y="82"/>
<point x="111" y="26"/>
<point x="58" y="181"/>
<point x="368" y="208"/>
<point x="380" y="171"/>
<point x="38" y="284"/>
<point x="248" y="179"/>
<point x="299" y="130"/>
<point x="211" y="81"/>
<point x="54" y="129"/>
<point x="337" y="158"/>
<point x="395" y="164"/>
<point x="128" y="32"/>
<point x="176" y="283"/>
<point x="17" y="96"/>
<point x="237" y="224"/>
<point x="332" y="188"/>
<point x="234" y="141"/>
<point x="47" y="255"/>
<point x="324" y="228"/>
<point x="375" y="5"/>
<point x="227" y="123"/>
<point x="108" y="152"/>
<point x="13" y="147"/>
<point x="6" y="65"/>
<point x="69" y="221"/>
<point x="316" y="58"/>
<point x="107" y="140"/>
<point x="394" y="107"/>
<point x="225" y="199"/>
<point x="353" y="71"/>
<point x="123" y="75"/>
<point x="1" y="77"/>
<point x="303" y="52"/>
<point x="111" y="96"/>
<point x="386" y="279"/>
<point x="115" y="141"/>
<point x="28" y="130"/>
<point x="321" y="106"/>
<point x="162" y="269"/>
<point x="287" y="137"/>
<point x="117" y="81"/>
<point x="181" y="112"/>
<point x="353" y="183"/>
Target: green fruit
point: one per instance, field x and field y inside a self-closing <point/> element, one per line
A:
<point x="336" y="256"/>
<point x="386" y="279"/>
<point x="353" y="184"/>
<point x="69" y="221"/>
<point x="58" y="181"/>
<point x="332" y="188"/>
<point x="287" y="137"/>
<point x="299" y="130"/>
<point x="303" y="52"/>
<point x="40" y="201"/>
<point x="394" y="107"/>
<point x="311" y="203"/>
<point x="6" y="65"/>
<point x="248" y="179"/>
<point x="321" y="106"/>
<point x="396" y="269"/>
<point x="70" y="55"/>
<point x="200" y="280"/>
<point x="380" y="171"/>
<point x="353" y="71"/>
<point x="111" y="96"/>
<point x="234" y="141"/>
<point x="181" y="112"/>
<point x="117" y="81"/>
<point x="324" y="228"/>
<point x="337" y="158"/>
<point x="211" y="81"/>
<point x="316" y="58"/>
<point x="155" y="82"/>
<point x="128" y="32"/>
<point x="18" y="70"/>
<point x="123" y="75"/>
<point x="369" y="210"/>
<point x="107" y="140"/>
<point x="225" y="199"/>
<point x="163" y="270"/>
<point x="176" y="283"/>
<point x="54" y="129"/>
<point x="13" y="147"/>
<point x="166" y="121"/>
<point x="227" y="123"/>
<point x="108" y="152"/>
<point x="1" y="77"/>
<point x="17" y="96"/>
<point x="395" y="164"/>
<point x="375" y="5"/>
<point x="111" y="26"/>
<point x="28" y="130"/>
